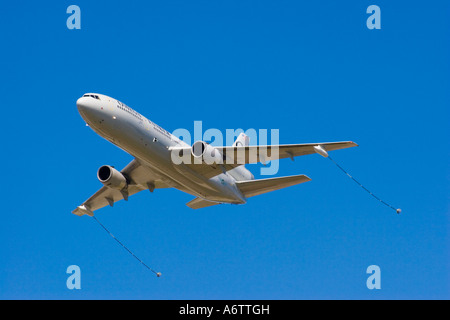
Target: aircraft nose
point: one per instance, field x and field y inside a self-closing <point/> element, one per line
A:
<point x="90" y="108"/>
<point x="85" y="104"/>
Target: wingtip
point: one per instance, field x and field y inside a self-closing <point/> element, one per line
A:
<point x="83" y="210"/>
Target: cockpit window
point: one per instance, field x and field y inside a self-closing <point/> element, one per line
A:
<point x="92" y="96"/>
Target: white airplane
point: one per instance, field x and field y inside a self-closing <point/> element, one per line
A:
<point x="213" y="175"/>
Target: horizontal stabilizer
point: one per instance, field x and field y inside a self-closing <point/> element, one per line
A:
<point x="198" y="203"/>
<point x="251" y="188"/>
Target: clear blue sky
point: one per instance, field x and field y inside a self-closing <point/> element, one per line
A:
<point x="312" y="70"/>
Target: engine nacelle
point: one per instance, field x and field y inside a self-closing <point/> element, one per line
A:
<point x="111" y="178"/>
<point x="206" y="153"/>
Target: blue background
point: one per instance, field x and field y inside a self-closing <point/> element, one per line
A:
<point x="312" y="70"/>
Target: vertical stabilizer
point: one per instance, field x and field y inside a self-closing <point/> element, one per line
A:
<point x="241" y="173"/>
<point x="242" y="140"/>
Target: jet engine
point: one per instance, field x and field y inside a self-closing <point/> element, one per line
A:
<point x="207" y="153"/>
<point x="111" y="178"/>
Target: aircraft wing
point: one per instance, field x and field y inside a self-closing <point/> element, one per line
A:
<point x="255" y="154"/>
<point x="140" y="178"/>
<point x="235" y="156"/>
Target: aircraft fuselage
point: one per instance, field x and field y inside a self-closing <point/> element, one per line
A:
<point x="149" y="144"/>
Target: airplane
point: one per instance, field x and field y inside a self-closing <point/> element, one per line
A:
<point x="212" y="174"/>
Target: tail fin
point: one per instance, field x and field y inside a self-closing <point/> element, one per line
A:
<point x="242" y="140"/>
<point x="241" y="173"/>
<point x="252" y="188"/>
